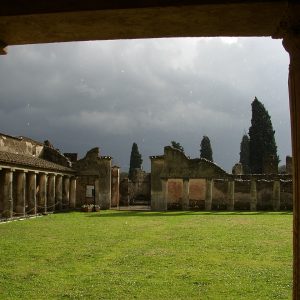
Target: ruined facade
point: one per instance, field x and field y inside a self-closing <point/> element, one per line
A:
<point x="178" y="182"/>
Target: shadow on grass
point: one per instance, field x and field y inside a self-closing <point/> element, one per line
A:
<point x="113" y="214"/>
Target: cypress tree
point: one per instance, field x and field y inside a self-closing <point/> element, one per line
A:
<point x="205" y="149"/>
<point x="135" y="160"/>
<point x="245" y="154"/>
<point x="262" y="144"/>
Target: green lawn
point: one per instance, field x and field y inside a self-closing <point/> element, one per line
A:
<point x="147" y="255"/>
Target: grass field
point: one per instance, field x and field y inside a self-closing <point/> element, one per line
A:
<point x="147" y="255"/>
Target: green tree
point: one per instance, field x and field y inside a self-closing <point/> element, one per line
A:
<point x="177" y="146"/>
<point x="135" y="160"/>
<point x="205" y="149"/>
<point x="245" y="153"/>
<point x="262" y="144"/>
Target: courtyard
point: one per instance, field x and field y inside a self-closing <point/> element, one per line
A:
<point x="148" y="255"/>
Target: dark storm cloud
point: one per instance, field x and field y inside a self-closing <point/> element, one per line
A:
<point x="110" y="94"/>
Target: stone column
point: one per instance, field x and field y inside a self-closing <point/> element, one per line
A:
<point x="21" y="194"/>
<point x="51" y="193"/>
<point x="253" y="195"/>
<point x="208" y="194"/>
<point x="58" y="192"/>
<point x="66" y="192"/>
<point x="291" y="43"/>
<point x="164" y="202"/>
<point x="276" y="195"/>
<point x="8" y="203"/>
<point x="73" y="192"/>
<point x="97" y="192"/>
<point x="42" y="194"/>
<point x="185" y="194"/>
<point x="230" y="195"/>
<point x="105" y="185"/>
<point x="31" y="200"/>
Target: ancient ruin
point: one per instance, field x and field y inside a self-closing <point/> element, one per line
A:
<point x="37" y="178"/>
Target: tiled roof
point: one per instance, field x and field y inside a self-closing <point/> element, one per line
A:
<point x="30" y="161"/>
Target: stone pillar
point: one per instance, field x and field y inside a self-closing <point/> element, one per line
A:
<point x="185" y="194"/>
<point x="31" y="199"/>
<point x="291" y="43"/>
<point x="276" y="195"/>
<point x="115" y="186"/>
<point x="51" y="193"/>
<point x="164" y="202"/>
<point x="105" y="188"/>
<point x="42" y="194"/>
<point x="230" y="195"/>
<point x="208" y="194"/>
<point x="66" y="192"/>
<point x="21" y="194"/>
<point x="253" y="195"/>
<point x="58" y="192"/>
<point x="97" y="192"/>
<point x="8" y="194"/>
<point x="73" y="192"/>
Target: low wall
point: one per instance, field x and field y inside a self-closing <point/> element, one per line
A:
<point x="242" y="193"/>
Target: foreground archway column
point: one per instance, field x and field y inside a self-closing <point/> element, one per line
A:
<point x="291" y="43"/>
<point x="185" y="194"/>
<point x="8" y="194"/>
<point x="21" y="193"/>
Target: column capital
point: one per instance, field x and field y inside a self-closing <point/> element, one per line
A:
<point x="289" y="30"/>
<point x="291" y="43"/>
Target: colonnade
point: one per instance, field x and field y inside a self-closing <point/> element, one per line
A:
<point x="230" y="194"/>
<point x="28" y="192"/>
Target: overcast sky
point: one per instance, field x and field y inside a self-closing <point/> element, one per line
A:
<point x="113" y="93"/>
